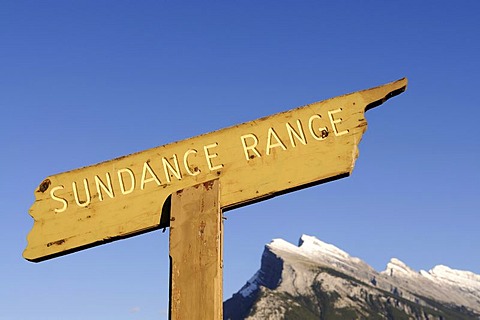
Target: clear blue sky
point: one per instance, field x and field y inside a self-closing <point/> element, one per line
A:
<point x="85" y="81"/>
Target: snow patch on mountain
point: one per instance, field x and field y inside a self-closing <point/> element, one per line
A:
<point x="439" y="275"/>
<point x="458" y="278"/>
<point x="397" y="267"/>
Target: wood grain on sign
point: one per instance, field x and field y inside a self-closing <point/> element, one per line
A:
<point x="254" y="160"/>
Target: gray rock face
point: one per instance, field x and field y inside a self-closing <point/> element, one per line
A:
<point x="316" y="280"/>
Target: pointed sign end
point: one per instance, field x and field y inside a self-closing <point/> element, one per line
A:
<point x="378" y="95"/>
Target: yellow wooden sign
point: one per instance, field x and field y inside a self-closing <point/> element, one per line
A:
<point x="252" y="161"/>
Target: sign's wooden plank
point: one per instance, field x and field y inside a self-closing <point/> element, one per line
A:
<point x="196" y="253"/>
<point x="253" y="160"/>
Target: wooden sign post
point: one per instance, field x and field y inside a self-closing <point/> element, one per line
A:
<point x="196" y="245"/>
<point x="148" y="190"/>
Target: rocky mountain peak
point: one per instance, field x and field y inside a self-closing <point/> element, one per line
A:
<point x="464" y="280"/>
<point x="396" y="268"/>
<point x="317" y="280"/>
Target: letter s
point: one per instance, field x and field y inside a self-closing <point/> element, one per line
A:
<point x="61" y="200"/>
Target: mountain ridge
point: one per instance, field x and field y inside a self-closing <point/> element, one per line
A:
<point x="325" y="277"/>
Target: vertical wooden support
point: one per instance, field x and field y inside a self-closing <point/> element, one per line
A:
<point x="196" y="253"/>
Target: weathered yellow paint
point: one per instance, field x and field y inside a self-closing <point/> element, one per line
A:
<point x="196" y="253"/>
<point x="253" y="160"/>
